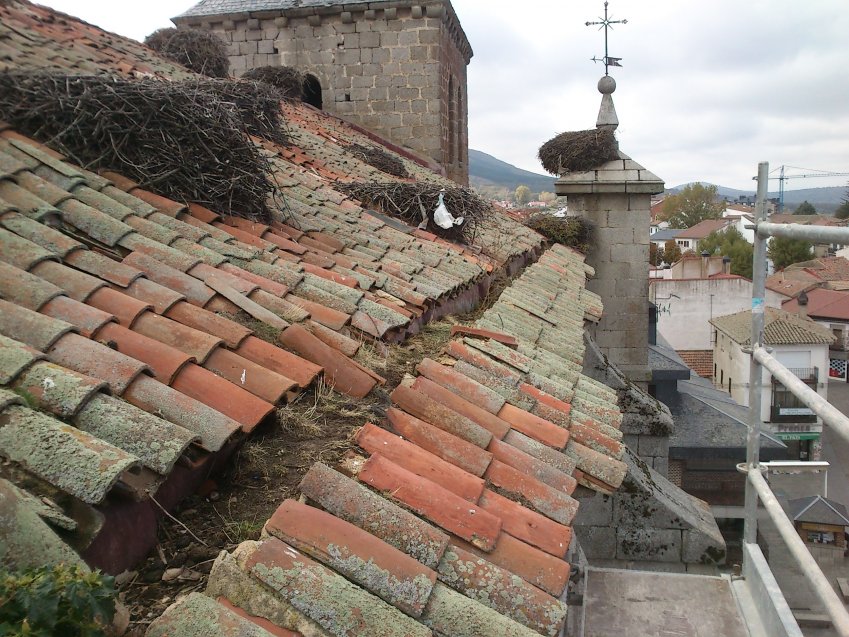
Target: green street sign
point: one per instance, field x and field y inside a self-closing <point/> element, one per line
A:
<point x="797" y="436"/>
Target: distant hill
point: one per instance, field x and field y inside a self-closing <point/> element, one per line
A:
<point x="825" y="200"/>
<point x="487" y="170"/>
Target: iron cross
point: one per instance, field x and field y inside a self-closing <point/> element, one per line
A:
<point x="606" y="24"/>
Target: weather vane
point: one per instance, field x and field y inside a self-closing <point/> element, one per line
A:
<point x="606" y="24"/>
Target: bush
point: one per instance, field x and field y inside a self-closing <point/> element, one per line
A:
<point x="52" y="601"/>
<point x="574" y="232"/>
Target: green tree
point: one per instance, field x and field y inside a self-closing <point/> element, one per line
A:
<point x="730" y="243"/>
<point x="784" y="252"/>
<point x="547" y="197"/>
<point x="805" y="208"/>
<point x="693" y="204"/>
<point x="671" y="252"/>
<point x="842" y="211"/>
<point x="522" y="195"/>
<point x="655" y="254"/>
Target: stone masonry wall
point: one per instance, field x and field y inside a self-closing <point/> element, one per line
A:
<point x="386" y="69"/>
<point x="620" y="258"/>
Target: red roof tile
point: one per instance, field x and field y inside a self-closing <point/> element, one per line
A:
<point x="537" y="428"/>
<point x="435" y="503"/>
<point x="356" y="554"/>
<point x="423" y="463"/>
<point x="259" y="381"/>
<point x="528" y="526"/>
<point x="441" y="416"/>
<point x="165" y="361"/>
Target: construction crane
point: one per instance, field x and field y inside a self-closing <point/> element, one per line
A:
<point x="783" y="176"/>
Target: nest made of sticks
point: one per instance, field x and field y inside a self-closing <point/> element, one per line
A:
<point x="412" y="202"/>
<point x="258" y="104"/>
<point x="575" y="232"/>
<point x="380" y="159"/>
<point x="286" y="79"/>
<point x="576" y="151"/>
<point x="177" y="139"/>
<point x="200" y="51"/>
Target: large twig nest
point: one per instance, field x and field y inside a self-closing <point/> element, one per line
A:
<point x="576" y="151"/>
<point x="179" y="139"/>
<point x="380" y="159"/>
<point x="286" y="79"/>
<point x="200" y="51"/>
<point x="413" y="202"/>
<point x="575" y="232"/>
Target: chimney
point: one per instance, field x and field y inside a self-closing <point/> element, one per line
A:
<point x="726" y="265"/>
<point x="802" y="300"/>
<point x="705" y="261"/>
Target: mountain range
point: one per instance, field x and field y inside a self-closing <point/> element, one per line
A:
<point x="486" y="170"/>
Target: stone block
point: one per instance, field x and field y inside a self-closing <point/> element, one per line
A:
<point x="347" y="17"/>
<point x="363" y="27"/>
<point x="598" y="542"/>
<point x="409" y="37"/>
<point x="369" y="40"/>
<point x="657" y="545"/>
<point x="434" y="10"/>
<point x="254" y="35"/>
<point x="353" y="40"/>
<point x="369" y="14"/>
<point x="416" y="12"/>
<point x="428" y="36"/>
<point x="418" y="106"/>
<point x="265" y="46"/>
<point x="281" y="21"/>
<point x="661" y="465"/>
<point x="703" y="548"/>
<point x="252" y="24"/>
<point x="644" y="510"/>
<point x="595" y="510"/>
<point x="314" y="20"/>
<point x="238" y="35"/>
<point x="365" y="56"/>
<point x="379" y="55"/>
<point x="654" y="446"/>
<point x="390" y="13"/>
<point x="348" y="57"/>
<point x="389" y="39"/>
<point x="419" y="53"/>
<point x="402" y="133"/>
<point x="239" y="62"/>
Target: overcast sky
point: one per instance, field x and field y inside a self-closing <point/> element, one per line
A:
<point x="707" y="88"/>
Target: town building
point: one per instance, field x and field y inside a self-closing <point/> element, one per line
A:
<point x="799" y="344"/>
<point x="829" y="308"/>
<point x="397" y="68"/>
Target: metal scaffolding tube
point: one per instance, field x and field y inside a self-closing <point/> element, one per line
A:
<point x="830" y="415"/>
<point x="809" y="567"/>
<point x="753" y="440"/>
<point x="815" y="234"/>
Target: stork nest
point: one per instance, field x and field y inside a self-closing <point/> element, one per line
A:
<point x="380" y="159"/>
<point x="258" y="104"/>
<point x="199" y="51"/>
<point x="413" y="202"/>
<point x="575" y="232"/>
<point x="181" y="140"/>
<point x="286" y="79"/>
<point x="576" y="151"/>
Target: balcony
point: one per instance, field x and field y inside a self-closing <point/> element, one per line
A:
<point x="779" y="414"/>
<point x="805" y="374"/>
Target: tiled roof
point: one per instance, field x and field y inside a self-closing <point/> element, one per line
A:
<point x="119" y="363"/>
<point x="822" y="303"/>
<point x="458" y="512"/>
<point x="792" y="282"/>
<point x="780" y="328"/>
<point x="702" y="229"/>
<point x="700" y="361"/>
<point x="807" y="220"/>
<point x="819" y="510"/>
<point x="826" y="268"/>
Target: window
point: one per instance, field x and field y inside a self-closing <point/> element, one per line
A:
<point x="786" y="407"/>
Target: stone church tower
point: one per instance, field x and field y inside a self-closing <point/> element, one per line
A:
<point x="396" y="67"/>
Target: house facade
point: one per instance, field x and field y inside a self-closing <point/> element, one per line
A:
<point x="397" y="68"/>
<point x="798" y="343"/>
<point x="829" y="308"/>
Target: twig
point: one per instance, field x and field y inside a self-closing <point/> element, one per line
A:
<point x="188" y="530"/>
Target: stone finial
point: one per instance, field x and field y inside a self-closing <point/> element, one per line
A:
<point x="607" y="111"/>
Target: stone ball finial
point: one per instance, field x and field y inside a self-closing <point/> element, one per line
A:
<point x="606" y="85"/>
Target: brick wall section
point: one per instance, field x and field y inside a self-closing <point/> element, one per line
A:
<point x="386" y="66"/>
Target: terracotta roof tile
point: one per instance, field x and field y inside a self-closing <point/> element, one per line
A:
<point x="222" y="395"/>
<point x="48" y="238"/>
<point x="195" y="343"/>
<point x="78" y="285"/>
<point x="527" y="525"/>
<point x="102" y="267"/>
<point x="449" y="447"/>
<point x="326" y="597"/>
<point x="213" y="427"/>
<point x="437" y="414"/>
<point x="492" y="423"/>
<point x="195" y="291"/>
<point x="197" y="609"/>
<point x="534" y="426"/>
<point x="361" y="557"/>
<point x="477" y="579"/>
<point x="91" y="358"/>
<point x="462" y="385"/>
<point x="535" y="494"/>
<point x="31" y="328"/>
<point x="533" y="467"/>
<point x="340" y="372"/>
<point x="421" y="462"/>
<point x="350" y="501"/>
<point x="435" y="503"/>
<point x="125" y="309"/>
<point x="165" y="361"/>
<point x="256" y="379"/>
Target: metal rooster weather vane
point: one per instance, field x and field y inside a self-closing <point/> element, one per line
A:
<point x="606" y="24"/>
